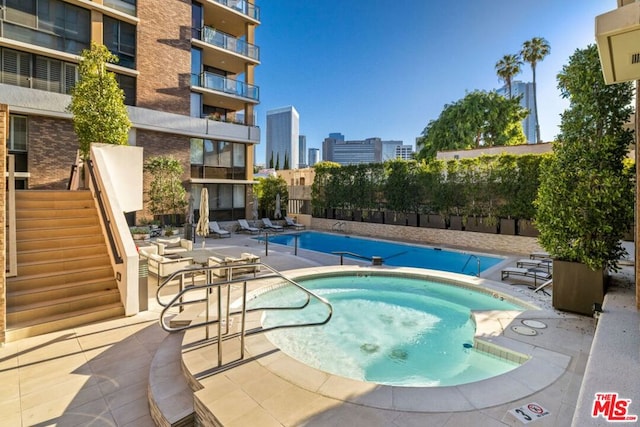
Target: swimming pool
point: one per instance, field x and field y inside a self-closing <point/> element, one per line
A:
<point x="394" y="254"/>
<point x="388" y="329"/>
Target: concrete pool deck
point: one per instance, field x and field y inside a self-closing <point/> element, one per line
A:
<point x="99" y="373"/>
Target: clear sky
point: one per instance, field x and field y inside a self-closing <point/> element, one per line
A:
<point x="385" y="68"/>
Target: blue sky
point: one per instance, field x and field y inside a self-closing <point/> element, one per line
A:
<point x="385" y="68"/>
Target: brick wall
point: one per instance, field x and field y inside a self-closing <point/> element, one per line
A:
<point x="481" y="242"/>
<point x="163" y="55"/>
<point x="52" y="150"/>
<point x="4" y="123"/>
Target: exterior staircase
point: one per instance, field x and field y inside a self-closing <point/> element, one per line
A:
<point x="65" y="278"/>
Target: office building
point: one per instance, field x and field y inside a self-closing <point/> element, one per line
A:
<point x="187" y="77"/>
<point x="371" y="150"/>
<point x="282" y="137"/>
<point x="525" y="91"/>
<point x="302" y="149"/>
<point x="314" y="156"/>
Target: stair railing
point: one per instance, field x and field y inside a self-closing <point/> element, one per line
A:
<point x="375" y="260"/>
<point x="104" y="214"/>
<point x="11" y="267"/>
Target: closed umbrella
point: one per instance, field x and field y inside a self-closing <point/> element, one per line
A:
<point x="202" y="229"/>
<point x="277" y="214"/>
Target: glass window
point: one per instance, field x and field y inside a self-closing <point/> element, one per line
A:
<point x="238" y="155"/>
<point x="120" y="38"/>
<point x="238" y="196"/>
<point x="196" y="66"/>
<point x="16" y="68"/>
<point x="224" y="153"/>
<point x="128" y="86"/>
<point x="197" y="151"/>
<point x="196" y="21"/>
<point x="196" y="105"/>
<point x="21" y="12"/>
<point x="17" y="133"/>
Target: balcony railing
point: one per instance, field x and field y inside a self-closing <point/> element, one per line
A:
<point x="243" y="7"/>
<point x="224" y="84"/>
<point x="225" y="41"/>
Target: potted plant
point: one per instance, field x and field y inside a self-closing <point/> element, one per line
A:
<point x="585" y="198"/>
<point x="139" y="233"/>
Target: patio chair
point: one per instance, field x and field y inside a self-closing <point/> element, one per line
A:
<point x="238" y="266"/>
<point x="533" y="273"/>
<point x="268" y="224"/>
<point x="542" y="287"/>
<point x="244" y="226"/>
<point x="215" y="229"/>
<point x="162" y="267"/>
<point x="289" y="222"/>
<point x="173" y="245"/>
<point x="545" y="263"/>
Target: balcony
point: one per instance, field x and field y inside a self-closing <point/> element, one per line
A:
<point x="224" y="92"/>
<point x="224" y="51"/>
<point x="230" y="16"/>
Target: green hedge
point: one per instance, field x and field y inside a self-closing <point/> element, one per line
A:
<point x="502" y="186"/>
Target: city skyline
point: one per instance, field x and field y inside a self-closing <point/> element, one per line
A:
<point x="386" y="68"/>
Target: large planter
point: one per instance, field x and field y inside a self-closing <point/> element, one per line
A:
<point x="576" y="287"/>
<point x="508" y="226"/>
<point x="455" y="222"/>
<point x="527" y="229"/>
<point x="481" y="224"/>
<point x="433" y="221"/>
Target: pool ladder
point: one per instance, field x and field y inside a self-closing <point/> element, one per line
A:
<point x="222" y="318"/>
<point x="469" y="259"/>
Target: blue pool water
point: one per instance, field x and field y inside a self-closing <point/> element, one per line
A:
<point x="394" y="254"/>
<point x="387" y="329"/>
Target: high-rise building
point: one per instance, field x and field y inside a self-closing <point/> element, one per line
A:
<point x="302" y="149"/>
<point x="190" y="94"/>
<point x="282" y="137"/>
<point x="525" y="90"/>
<point x="314" y="156"/>
<point x="371" y="150"/>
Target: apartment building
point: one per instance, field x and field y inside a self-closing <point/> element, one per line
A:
<point x="187" y="72"/>
<point x="371" y="150"/>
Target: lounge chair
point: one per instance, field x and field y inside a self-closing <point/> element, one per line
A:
<point x="545" y="263"/>
<point x="215" y="229"/>
<point x="244" y="226"/>
<point x="539" y="255"/>
<point x="541" y="287"/>
<point x="289" y="222"/>
<point x="268" y="224"/>
<point x="533" y="273"/>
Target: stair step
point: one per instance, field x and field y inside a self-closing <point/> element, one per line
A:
<point x="37" y="213"/>
<point x="177" y="408"/>
<point x="60" y="254"/>
<point x="59" y="322"/>
<point x="45" y="243"/>
<point x="71" y="231"/>
<point x="49" y="293"/>
<point x="45" y="224"/>
<point x="53" y="266"/>
<point x="23" y="282"/>
<point x="43" y="309"/>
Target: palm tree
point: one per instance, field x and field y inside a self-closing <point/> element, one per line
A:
<point x="509" y="66"/>
<point x="534" y="51"/>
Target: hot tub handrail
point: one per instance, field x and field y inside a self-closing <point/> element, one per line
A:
<point x="178" y="301"/>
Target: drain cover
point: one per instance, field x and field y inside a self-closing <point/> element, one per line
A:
<point x="534" y="324"/>
<point x="523" y="330"/>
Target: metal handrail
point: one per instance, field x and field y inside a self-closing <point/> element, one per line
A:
<point x="103" y="212"/>
<point x="178" y="301"/>
<point x="469" y="259"/>
<point x="376" y="260"/>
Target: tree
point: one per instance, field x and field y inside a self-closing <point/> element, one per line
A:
<point x="97" y="102"/>
<point x="286" y="162"/>
<point x="167" y="196"/>
<point x="271" y="161"/>
<point x="534" y="51"/>
<point x="480" y="118"/>
<point x="266" y="191"/>
<point x="278" y="161"/>
<point x="508" y="67"/>
<point x="585" y="199"/>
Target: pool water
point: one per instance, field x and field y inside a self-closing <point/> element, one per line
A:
<point x="393" y="254"/>
<point x="387" y="329"/>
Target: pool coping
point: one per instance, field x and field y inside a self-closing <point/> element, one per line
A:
<point x="542" y="368"/>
